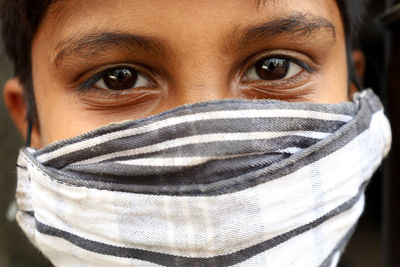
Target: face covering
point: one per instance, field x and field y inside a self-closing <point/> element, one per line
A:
<point x="221" y="183"/>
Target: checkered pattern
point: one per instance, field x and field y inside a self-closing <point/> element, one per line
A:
<point x="222" y="183"/>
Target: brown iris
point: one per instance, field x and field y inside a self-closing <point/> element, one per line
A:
<point x="272" y="68"/>
<point x="120" y="79"/>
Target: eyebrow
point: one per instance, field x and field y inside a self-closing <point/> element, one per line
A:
<point x="294" y="27"/>
<point x="92" y="43"/>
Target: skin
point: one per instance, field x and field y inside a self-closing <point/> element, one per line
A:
<point x="194" y="51"/>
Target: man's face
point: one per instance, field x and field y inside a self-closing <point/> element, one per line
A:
<point x="96" y="62"/>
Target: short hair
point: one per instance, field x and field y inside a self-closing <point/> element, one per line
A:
<point x="20" y="20"/>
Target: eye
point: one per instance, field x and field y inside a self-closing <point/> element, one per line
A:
<point x="281" y="77"/>
<point x="273" y="69"/>
<point x="121" y="78"/>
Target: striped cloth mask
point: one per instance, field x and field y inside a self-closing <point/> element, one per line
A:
<point x="221" y="183"/>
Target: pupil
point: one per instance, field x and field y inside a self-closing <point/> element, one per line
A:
<point x="272" y="68"/>
<point x="120" y="79"/>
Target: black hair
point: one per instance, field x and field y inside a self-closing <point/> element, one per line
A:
<point x="20" y="20"/>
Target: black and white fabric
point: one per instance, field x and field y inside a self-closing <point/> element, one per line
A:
<point x="220" y="183"/>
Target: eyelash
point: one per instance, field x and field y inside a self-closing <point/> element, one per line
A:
<point x="252" y="62"/>
<point x="89" y="84"/>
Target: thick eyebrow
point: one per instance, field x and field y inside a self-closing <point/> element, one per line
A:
<point x="89" y="44"/>
<point x="294" y="27"/>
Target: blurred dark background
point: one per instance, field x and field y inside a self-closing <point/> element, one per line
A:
<point x="364" y="250"/>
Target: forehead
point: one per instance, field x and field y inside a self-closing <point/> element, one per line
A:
<point x="163" y="17"/>
<point x="183" y="27"/>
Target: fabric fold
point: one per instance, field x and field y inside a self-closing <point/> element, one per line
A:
<point x="223" y="183"/>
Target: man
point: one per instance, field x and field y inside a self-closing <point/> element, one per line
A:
<point x="81" y="65"/>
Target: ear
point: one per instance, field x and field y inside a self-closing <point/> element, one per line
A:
<point x="14" y="98"/>
<point x="359" y="64"/>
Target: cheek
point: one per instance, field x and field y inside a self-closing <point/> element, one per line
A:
<point x="333" y="83"/>
<point x="57" y="118"/>
<point x="58" y="112"/>
<point x="61" y="117"/>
